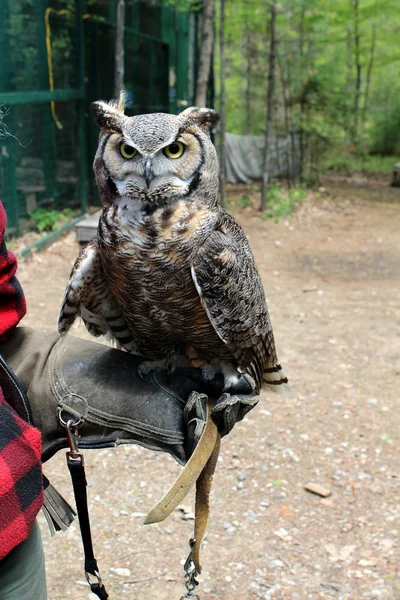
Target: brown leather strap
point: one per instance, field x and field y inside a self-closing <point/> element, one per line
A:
<point x="202" y="510"/>
<point x="189" y="475"/>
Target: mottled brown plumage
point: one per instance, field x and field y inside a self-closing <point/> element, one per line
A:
<point x="170" y="273"/>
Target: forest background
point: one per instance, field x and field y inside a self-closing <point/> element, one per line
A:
<point x="321" y="75"/>
<point x="333" y="67"/>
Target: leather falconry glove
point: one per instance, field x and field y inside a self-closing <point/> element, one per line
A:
<point x="165" y="412"/>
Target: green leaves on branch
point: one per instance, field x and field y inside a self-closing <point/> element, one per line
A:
<point x="46" y="220"/>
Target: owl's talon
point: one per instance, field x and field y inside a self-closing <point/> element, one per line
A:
<point x="150" y="366"/>
<point x="208" y="374"/>
<point x="242" y="383"/>
<point x="230" y="385"/>
<point x="142" y="370"/>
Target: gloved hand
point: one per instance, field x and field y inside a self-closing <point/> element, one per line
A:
<point x="100" y="385"/>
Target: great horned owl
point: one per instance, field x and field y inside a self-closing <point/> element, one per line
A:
<point x="170" y="275"/>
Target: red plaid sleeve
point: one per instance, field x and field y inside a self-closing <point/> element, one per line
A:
<point x="12" y="300"/>
<point x="21" y="484"/>
<point x="21" y="488"/>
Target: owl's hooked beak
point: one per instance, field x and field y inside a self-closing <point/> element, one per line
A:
<point x="148" y="173"/>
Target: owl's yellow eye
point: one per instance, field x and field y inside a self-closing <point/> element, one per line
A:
<point x="127" y="152"/>
<point x="174" y="150"/>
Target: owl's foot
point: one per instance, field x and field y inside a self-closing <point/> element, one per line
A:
<point x="151" y="366"/>
<point x="225" y="374"/>
<point x="240" y="383"/>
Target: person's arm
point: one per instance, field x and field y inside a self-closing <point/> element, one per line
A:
<point x="21" y="488"/>
<point x="12" y="300"/>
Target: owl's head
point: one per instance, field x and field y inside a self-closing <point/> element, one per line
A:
<point x="155" y="157"/>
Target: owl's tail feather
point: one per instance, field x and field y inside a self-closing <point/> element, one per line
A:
<point x="112" y="326"/>
<point x="275" y="379"/>
<point x="68" y="314"/>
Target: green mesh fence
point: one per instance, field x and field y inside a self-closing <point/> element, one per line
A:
<point x="56" y="57"/>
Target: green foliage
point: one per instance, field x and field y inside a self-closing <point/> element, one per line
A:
<point x="385" y="134"/>
<point x="351" y="164"/>
<point x="46" y="220"/>
<point x="297" y="194"/>
<point x="281" y="202"/>
<point x="273" y="194"/>
<point x="244" y="201"/>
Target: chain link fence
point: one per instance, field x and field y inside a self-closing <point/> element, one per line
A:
<point x="57" y="57"/>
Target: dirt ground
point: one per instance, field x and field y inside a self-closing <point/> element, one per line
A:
<point x="331" y="272"/>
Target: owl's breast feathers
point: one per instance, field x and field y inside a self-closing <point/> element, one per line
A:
<point x="146" y="258"/>
<point x="184" y="275"/>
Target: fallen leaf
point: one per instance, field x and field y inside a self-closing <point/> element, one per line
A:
<point x="286" y="512"/>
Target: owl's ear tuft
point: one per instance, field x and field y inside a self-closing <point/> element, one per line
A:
<point x="120" y="102"/>
<point x="203" y="117"/>
<point x="108" y="116"/>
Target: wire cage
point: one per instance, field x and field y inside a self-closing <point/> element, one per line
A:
<point x="57" y="57"/>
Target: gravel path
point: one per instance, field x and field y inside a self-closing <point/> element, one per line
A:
<point x="331" y="273"/>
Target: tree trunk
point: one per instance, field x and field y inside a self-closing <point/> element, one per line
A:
<point x="302" y="98"/>
<point x="349" y="65"/>
<point x="119" y="49"/>
<point x="349" y="81"/>
<point x="369" y="73"/>
<point x="222" y="173"/>
<point x="357" y="90"/>
<point x="248" y="91"/>
<point x="207" y="36"/>
<point x="270" y="104"/>
<point x="288" y="139"/>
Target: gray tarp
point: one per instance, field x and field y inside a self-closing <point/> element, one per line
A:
<point x="244" y="156"/>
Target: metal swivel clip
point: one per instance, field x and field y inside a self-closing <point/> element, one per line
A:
<point x="190" y="575"/>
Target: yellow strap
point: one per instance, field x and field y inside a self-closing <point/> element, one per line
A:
<point x="50" y="57"/>
<point x="189" y="475"/>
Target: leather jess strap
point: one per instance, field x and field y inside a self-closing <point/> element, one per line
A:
<point x="202" y="506"/>
<point x="199" y="469"/>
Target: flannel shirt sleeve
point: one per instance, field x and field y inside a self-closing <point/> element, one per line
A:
<point x="12" y="300"/>
<point x="21" y="484"/>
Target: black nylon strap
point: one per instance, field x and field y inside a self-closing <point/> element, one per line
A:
<point x="77" y="470"/>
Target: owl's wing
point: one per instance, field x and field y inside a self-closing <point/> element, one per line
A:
<point x="232" y="295"/>
<point x="88" y="296"/>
